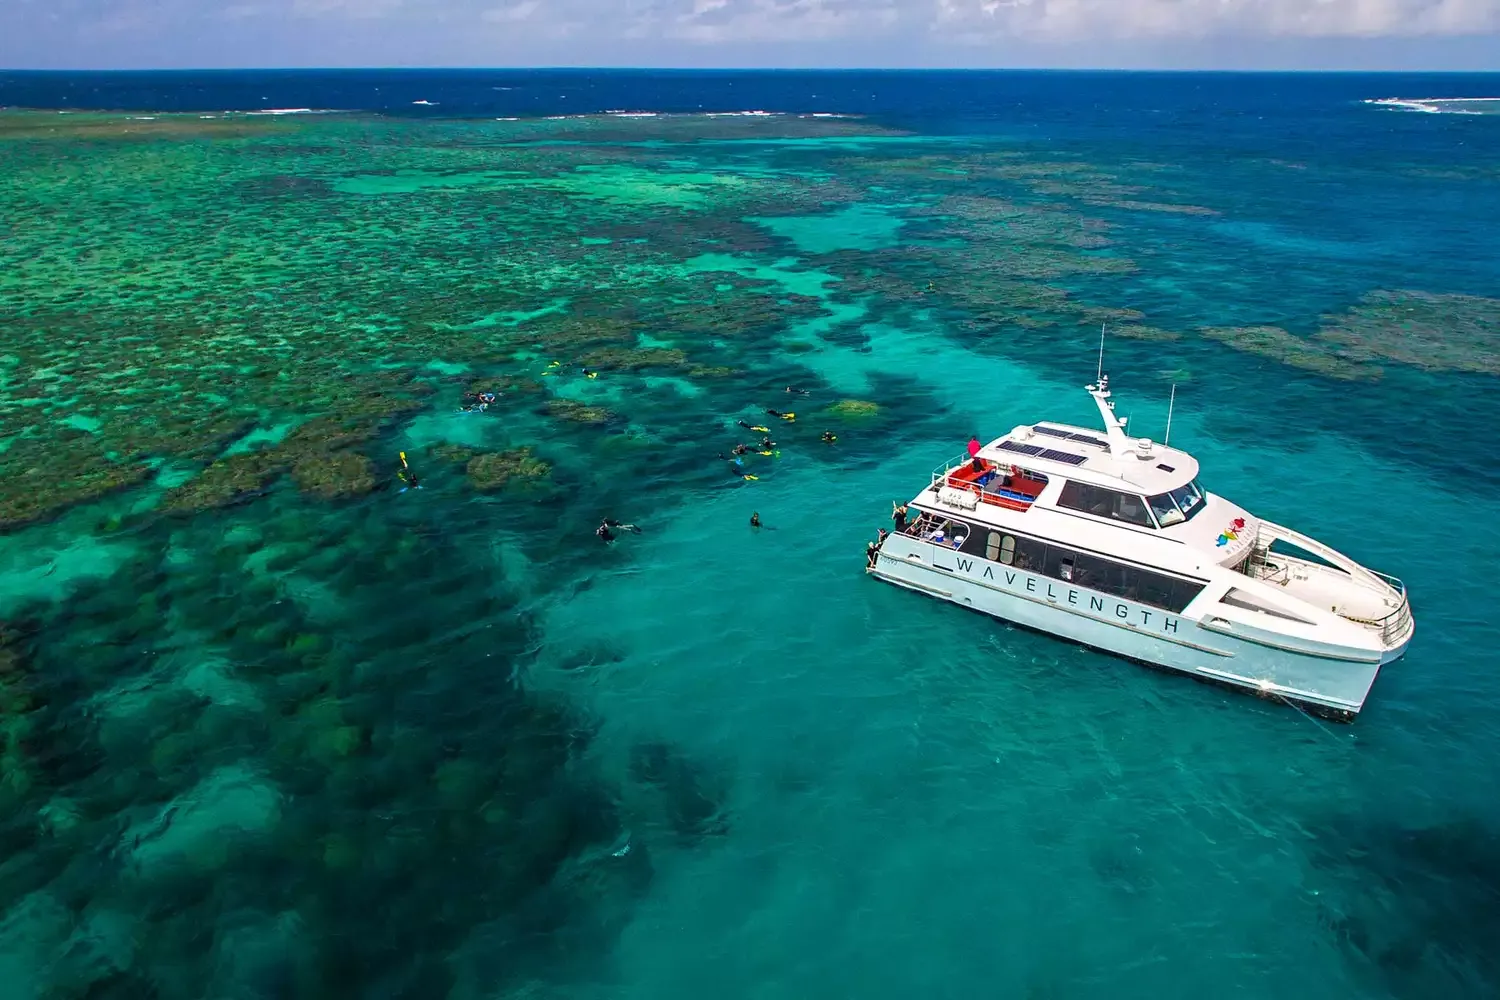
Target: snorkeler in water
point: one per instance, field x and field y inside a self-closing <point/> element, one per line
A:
<point x="740" y="449"/>
<point x="783" y="416"/>
<point x="766" y="443"/>
<point x="793" y="390"/>
<point x="605" y="535"/>
<point x="755" y="519"/>
<point x="829" y="437"/>
<point x="407" y="476"/>
<point x="588" y="373"/>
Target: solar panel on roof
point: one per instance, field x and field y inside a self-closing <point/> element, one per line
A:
<point x="1021" y="449"/>
<point x="1053" y="432"/>
<point x="1088" y="439"/>
<point x="1066" y="457"/>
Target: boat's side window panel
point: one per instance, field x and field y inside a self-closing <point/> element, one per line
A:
<point x="1109" y="577"/>
<point x="1008" y="550"/>
<point x="1102" y="502"/>
<point x="1030" y="554"/>
<point x="1103" y="575"/>
<point x="992" y="546"/>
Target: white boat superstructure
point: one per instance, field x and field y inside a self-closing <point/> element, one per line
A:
<point x="1109" y="541"/>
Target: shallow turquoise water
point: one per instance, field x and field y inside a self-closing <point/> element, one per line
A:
<point x="437" y="743"/>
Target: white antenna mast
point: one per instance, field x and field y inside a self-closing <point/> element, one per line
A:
<point x="1100" y="374"/>
<point x="1170" y="401"/>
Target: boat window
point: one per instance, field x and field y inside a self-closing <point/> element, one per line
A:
<point x="1165" y="509"/>
<point x="1237" y="598"/>
<point x="1030" y="554"/>
<point x="1189" y="499"/>
<point x="1102" y="502"/>
<point x="1082" y="569"/>
<point x="992" y="546"/>
<point x="1008" y="549"/>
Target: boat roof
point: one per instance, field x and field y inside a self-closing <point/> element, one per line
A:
<point x="1135" y="465"/>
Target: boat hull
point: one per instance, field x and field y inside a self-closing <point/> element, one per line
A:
<point x="1331" y="681"/>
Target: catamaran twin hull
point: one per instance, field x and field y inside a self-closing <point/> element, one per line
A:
<point x="1332" y="684"/>
<point x="1110" y="542"/>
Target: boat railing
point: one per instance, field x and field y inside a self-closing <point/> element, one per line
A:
<point x="949" y="475"/>
<point x="1392" y="627"/>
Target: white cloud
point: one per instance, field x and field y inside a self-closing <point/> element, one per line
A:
<point x="1050" y="21"/>
<point x="1069" y="20"/>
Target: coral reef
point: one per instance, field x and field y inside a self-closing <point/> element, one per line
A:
<point x="578" y="413"/>
<point x="1423" y="329"/>
<point x="854" y="409"/>
<point x="1276" y="344"/>
<point x="493" y="471"/>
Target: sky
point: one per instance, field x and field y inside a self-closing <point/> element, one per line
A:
<point x="1169" y="34"/>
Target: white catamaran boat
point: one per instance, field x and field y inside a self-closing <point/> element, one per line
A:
<point x="1109" y="541"/>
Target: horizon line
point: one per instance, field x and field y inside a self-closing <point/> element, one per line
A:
<point x="759" y="69"/>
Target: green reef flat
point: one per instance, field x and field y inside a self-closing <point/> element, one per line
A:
<point x="272" y="724"/>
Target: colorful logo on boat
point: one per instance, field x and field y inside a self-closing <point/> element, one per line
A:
<point x="1231" y="533"/>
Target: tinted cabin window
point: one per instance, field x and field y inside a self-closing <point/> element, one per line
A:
<point x="1030" y="554"/>
<point x="1119" y="580"/>
<point x="1189" y="499"/>
<point x="1104" y="503"/>
<point x="1008" y="549"/>
<point x="992" y="546"/>
<point x="1165" y="510"/>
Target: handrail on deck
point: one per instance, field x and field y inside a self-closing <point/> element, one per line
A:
<point x="1392" y="626"/>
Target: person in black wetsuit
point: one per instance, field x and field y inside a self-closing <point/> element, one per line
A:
<point x="898" y="515"/>
<point x="793" y="390"/>
<point x="740" y="449"/>
<point x="755" y="519"/>
<point x="829" y="437"/>
<point x="605" y="535"/>
<point x="766" y="444"/>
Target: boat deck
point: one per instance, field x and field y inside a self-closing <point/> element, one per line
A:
<point x="1000" y="486"/>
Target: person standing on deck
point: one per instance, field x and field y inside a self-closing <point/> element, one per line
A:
<point x="974" y="446"/>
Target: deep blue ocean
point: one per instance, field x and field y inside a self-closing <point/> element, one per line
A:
<point x="892" y="798"/>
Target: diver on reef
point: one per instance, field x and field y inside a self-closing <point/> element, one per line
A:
<point x="829" y="437"/>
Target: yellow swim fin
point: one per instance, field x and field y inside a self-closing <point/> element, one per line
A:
<point x="403" y="460"/>
<point x="789" y="416"/>
<point x="763" y="430"/>
<point x="768" y="453"/>
<point x="593" y="374"/>
<point x="749" y="478"/>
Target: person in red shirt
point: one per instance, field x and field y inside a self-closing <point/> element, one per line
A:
<point x="974" y="454"/>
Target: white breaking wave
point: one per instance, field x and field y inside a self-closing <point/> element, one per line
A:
<point x="1440" y="105"/>
<point x="632" y="114"/>
<point x="293" y="111"/>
